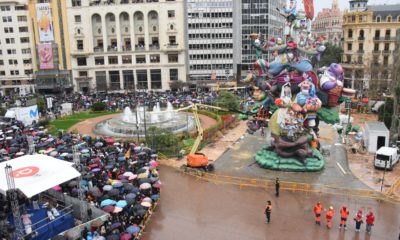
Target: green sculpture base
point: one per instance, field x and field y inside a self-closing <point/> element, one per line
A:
<point x="270" y="160"/>
<point x="328" y="115"/>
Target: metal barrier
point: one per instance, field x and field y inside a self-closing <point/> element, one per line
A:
<point x="291" y="186"/>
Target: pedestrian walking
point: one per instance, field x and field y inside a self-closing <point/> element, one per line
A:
<point x="267" y="211"/>
<point x="344" y="214"/>
<point x="370" y="219"/>
<point x="329" y="216"/>
<point x="277" y="186"/>
<point x="317" y="211"/>
<point x="262" y="132"/>
<point x="358" y="218"/>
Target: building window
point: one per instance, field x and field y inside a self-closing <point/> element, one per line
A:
<point x="172" y="40"/>
<point x="12" y="62"/>
<point x="389" y="19"/>
<point x="349" y="46"/>
<point x="140" y="59"/>
<point x="24" y="40"/>
<point x="8" y="30"/>
<point x="81" y="61"/>
<point x="127" y="59"/>
<point x="99" y="60"/>
<point x="23" y="29"/>
<point x="155" y="75"/>
<point x="77" y="18"/>
<point x="387" y="47"/>
<point x="5" y="8"/>
<point x="27" y="61"/>
<point x="378" y="19"/>
<point x="114" y="80"/>
<point x="11" y="51"/>
<point x="361" y="47"/>
<point x="129" y="81"/>
<point x="83" y="73"/>
<point x="7" y="19"/>
<point x="22" y="19"/>
<point x="142" y="79"/>
<point x="155" y="58"/>
<point x="79" y="44"/>
<point x="10" y="40"/>
<point x="1" y="62"/>
<point x="350" y="33"/>
<point x="2" y="73"/>
<point x="377" y="34"/>
<point x="171" y="13"/>
<point x="113" y="60"/>
<point x="376" y="47"/>
<point x="26" y="51"/>
<point x="173" y="58"/>
<point x="173" y="74"/>
<point x="76" y="3"/>
<point x="28" y="71"/>
<point x="101" y="80"/>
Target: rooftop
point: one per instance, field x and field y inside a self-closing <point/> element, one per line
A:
<point x="376" y="126"/>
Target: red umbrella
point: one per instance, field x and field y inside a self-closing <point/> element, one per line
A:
<point x="110" y="141"/>
<point x="126" y="236"/>
<point x="108" y="209"/>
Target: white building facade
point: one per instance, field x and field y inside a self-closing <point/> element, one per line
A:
<point x="211" y="40"/>
<point x="16" y="69"/>
<point x="126" y="44"/>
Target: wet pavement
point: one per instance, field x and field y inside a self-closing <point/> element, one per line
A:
<point x="238" y="161"/>
<point x="194" y="209"/>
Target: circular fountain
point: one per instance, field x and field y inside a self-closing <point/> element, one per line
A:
<point x="131" y="124"/>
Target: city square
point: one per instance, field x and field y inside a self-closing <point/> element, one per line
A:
<point x="201" y="119"/>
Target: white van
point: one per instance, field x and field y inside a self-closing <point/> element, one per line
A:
<point x="386" y="157"/>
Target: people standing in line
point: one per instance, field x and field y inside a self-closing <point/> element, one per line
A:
<point x="277" y="186"/>
<point x="370" y="219"/>
<point x="329" y="216"/>
<point x="267" y="212"/>
<point x="317" y="211"/>
<point x="358" y="218"/>
<point x="344" y="214"/>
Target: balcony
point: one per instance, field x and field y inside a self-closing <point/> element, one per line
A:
<point x="385" y="38"/>
<point x="154" y="47"/>
<point x="361" y="51"/>
<point x="117" y="2"/>
<point x="387" y="52"/>
<point x="112" y="48"/>
<point x="361" y="38"/>
<point x="172" y="45"/>
<point x="139" y="48"/>
<point x="98" y="49"/>
<point x="127" y="48"/>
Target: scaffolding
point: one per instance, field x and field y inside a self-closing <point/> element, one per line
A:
<point x="81" y="195"/>
<point x="13" y="198"/>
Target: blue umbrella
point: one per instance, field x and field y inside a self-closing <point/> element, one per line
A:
<point x="118" y="185"/>
<point x="155" y="197"/>
<point x="84" y="182"/>
<point x="130" y="196"/>
<point x="110" y="166"/>
<point x="135" y="190"/>
<point x="121" y="159"/>
<point x="107" y="202"/>
<point x="85" y="150"/>
<point x="116" y="225"/>
<point x="132" y="229"/>
<point x="121" y="203"/>
<point x="96" y="170"/>
<point x="107" y="187"/>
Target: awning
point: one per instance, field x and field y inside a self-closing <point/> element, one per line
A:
<point x="34" y="174"/>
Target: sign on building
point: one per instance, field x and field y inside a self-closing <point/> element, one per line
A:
<point x="45" y="22"/>
<point x="45" y="52"/>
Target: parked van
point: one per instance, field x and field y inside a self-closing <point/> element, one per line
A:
<point x="386" y="157"/>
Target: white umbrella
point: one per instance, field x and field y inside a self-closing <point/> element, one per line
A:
<point x="145" y="186"/>
<point x="128" y="174"/>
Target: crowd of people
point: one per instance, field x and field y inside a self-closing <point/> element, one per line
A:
<point x="121" y="178"/>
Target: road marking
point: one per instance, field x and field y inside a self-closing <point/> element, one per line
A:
<point x="341" y="168"/>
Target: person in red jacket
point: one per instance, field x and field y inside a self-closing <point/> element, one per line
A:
<point x="370" y="219"/>
<point x="329" y="217"/>
<point x="317" y="211"/>
<point x="344" y="214"/>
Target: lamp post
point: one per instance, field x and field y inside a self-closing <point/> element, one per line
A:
<point x="383" y="176"/>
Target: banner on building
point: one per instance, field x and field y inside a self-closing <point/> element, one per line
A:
<point x="45" y="23"/>
<point x="45" y="52"/>
<point x="309" y="8"/>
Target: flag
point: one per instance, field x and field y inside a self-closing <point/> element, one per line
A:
<point x="128" y="153"/>
<point x="309" y="8"/>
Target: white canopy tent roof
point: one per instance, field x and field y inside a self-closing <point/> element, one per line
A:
<point x="34" y="174"/>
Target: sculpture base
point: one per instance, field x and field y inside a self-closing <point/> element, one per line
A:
<point x="270" y="160"/>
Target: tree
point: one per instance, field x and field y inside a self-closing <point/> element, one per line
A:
<point x="332" y="54"/>
<point x="177" y="85"/>
<point x="99" y="106"/>
<point x="385" y="112"/>
<point x="228" y="100"/>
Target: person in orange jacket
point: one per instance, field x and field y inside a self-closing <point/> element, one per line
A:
<point x="329" y="217"/>
<point x="317" y="211"/>
<point x="344" y="214"/>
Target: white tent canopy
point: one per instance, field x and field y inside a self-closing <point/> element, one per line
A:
<point x="34" y="174"/>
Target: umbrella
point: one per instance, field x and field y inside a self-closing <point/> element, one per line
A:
<point x="83" y="182"/>
<point x="121" y="159"/>
<point x="113" y="192"/>
<point x="99" y="238"/>
<point x="147" y="199"/>
<point x="107" y="187"/>
<point x="146" y="204"/>
<point x="96" y="170"/>
<point x="117" y="210"/>
<point x="57" y="188"/>
<point x="135" y="190"/>
<point x="97" y="223"/>
<point x="126" y="236"/>
<point x="145" y="186"/>
<point x="116" y="225"/>
<point x="128" y="187"/>
<point x="73" y="184"/>
<point x="132" y="177"/>
<point x="19" y="154"/>
<point x="118" y="185"/>
<point x="96" y="192"/>
<point x="122" y="177"/>
<point x="98" y="144"/>
<point x="137" y="149"/>
<point x="128" y="174"/>
<point x="157" y="185"/>
<point x="107" y="202"/>
<point x="132" y="229"/>
<point x="117" y="144"/>
<point x="141" y="212"/>
<point x="109" y="208"/>
<point x="155" y="197"/>
<point x="144" y="180"/>
<point x="121" y="203"/>
<point x="143" y="175"/>
<point x="110" y="166"/>
<point x="85" y="150"/>
<point x="130" y="196"/>
<point x="113" y="237"/>
<point x="153" y="155"/>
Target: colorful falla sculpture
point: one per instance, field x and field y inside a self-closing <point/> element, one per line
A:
<point x="290" y="89"/>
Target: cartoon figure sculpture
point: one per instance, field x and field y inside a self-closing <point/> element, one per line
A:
<point x="290" y="13"/>
<point x="331" y="84"/>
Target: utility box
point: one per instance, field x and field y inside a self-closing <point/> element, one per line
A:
<point x="376" y="135"/>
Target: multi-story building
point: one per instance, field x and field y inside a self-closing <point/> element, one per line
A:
<point x="258" y="16"/>
<point x="16" y="69"/>
<point x="328" y="23"/>
<point x="211" y="40"/>
<point x="369" y="41"/>
<point x="126" y="45"/>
